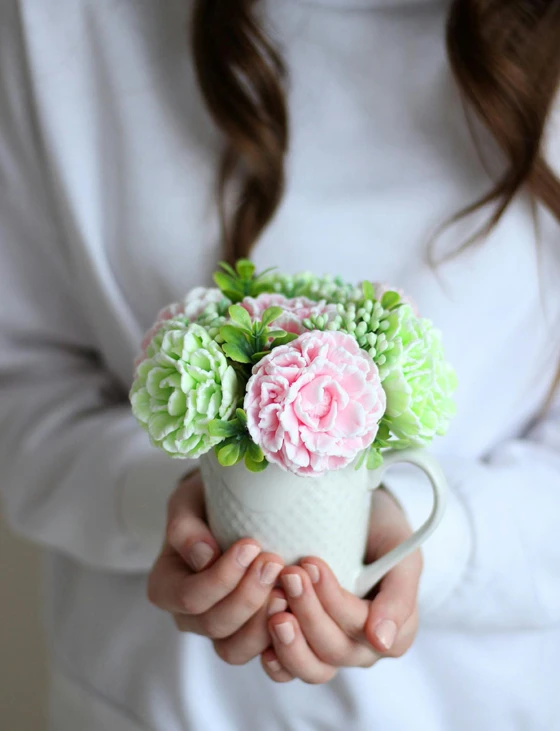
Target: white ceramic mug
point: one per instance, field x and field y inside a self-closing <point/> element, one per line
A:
<point x="326" y="516"/>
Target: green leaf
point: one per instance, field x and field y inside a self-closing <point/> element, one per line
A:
<point x="228" y="455"/>
<point x="260" y="287"/>
<point x="245" y="268"/>
<point x="262" y="275"/>
<point x="255" y="452"/>
<point x="271" y="314"/>
<point x="229" y="269"/>
<point x="361" y="459"/>
<point x="240" y="315"/>
<point x="241" y="417"/>
<point x="224" y="429"/>
<point x="253" y="466"/>
<point x="235" y="353"/>
<point x="275" y="333"/>
<point x="224" y="281"/>
<point x="368" y="290"/>
<point x="374" y="459"/>
<point x="284" y="340"/>
<point x="384" y="431"/>
<point x="235" y="335"/>
<point x="390" y="299"/>
<point x="233" y="295"/>
<point x="259" y="356"/>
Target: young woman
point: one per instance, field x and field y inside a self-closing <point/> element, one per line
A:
<point x="345" y="135"/>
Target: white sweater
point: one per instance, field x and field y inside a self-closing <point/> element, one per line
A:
<point x="107" y="168"/>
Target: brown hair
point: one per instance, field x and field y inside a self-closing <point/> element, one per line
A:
<point x="504" y="55"/>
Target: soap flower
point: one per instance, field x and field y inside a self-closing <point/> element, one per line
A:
<point x="296" y="310"/>
<point x="419" y="382"/>
<point x="314" y="404"/>
<point x="184" y="384"/>
<point x="204" y="303"/>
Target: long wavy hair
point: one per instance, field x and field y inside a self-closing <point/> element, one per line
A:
<point x="505" y="57"/>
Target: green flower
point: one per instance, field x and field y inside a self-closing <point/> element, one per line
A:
<point x="183" y="385"/>
<point x="418" y="382"/>
<point x="332" y="289"/>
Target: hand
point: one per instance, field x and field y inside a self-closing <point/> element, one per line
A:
<point x="330" y="628"/>
<point x="228" y="597"/>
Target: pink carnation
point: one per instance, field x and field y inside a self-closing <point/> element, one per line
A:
<point x="198" y="299"/>
<point x="314" y="404"/>
<point x="177" y="309"/>
<point x="296" y="310"/>
<point x="192" y="307"/>
<point x="381" y="287"/>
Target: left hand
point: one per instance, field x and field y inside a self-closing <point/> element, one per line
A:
<point x="328" y="627"/>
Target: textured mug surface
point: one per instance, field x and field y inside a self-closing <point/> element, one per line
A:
<point x="324" y="516"/>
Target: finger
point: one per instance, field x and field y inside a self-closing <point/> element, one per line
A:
<point x="166" y="581"/>
<point x="173" y="587"/>
<point x="394" y="604"/>
<point x="202" y="591"/>
<point x="187" y="531"/>
<point x="347" y="610"/>
<point x="324" y="636"/>
<point x="293" y="652"/>
<point x="251" y="594"/>
<point x="254" y="637"/>
<point x="405" y="637"/>
<point x="273" y="668"/>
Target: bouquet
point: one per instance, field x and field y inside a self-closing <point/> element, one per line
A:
<point x="304" y="372"/>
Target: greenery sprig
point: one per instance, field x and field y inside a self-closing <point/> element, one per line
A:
<point x="237" y="443"/>
<point x="241" y="282"/>
<point x="245" y="341"/>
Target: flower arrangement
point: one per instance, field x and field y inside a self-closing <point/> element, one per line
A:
<point x="308" y="373"/>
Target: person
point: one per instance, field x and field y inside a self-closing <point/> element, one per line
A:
<point x="348" y="140"/>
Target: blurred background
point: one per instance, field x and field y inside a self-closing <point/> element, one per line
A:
<point x="22" y="656"/>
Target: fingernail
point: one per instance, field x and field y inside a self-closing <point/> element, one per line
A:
<point x="285" y="632"/>
<point x="277" y="605"/>
<point x="293" y="584"/>
<point x="386" y="631"/>
<point x="200" y="555"/>
<point x="313" y="572"/>
<point x="247" y="554"/>
<point x="274" y="665"/>
<point x="269" y="572"/>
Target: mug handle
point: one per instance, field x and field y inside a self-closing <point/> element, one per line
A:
<point x="372" y="573"/>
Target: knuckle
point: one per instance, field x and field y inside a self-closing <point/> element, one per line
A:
<point x="190" y="603"/>
<point x="320" y="677"/>
<point x="230" y="653"/>
<point x="335" y="656"/>
<point x="250" y="602"/>
<point x="175" y="530"/>
<point x="212" y="627"/>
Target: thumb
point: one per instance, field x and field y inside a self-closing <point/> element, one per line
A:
<point x="187" y="532"/>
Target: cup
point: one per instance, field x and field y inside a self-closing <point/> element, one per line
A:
<point x="325" y="516"/>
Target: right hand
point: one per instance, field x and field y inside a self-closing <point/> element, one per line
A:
<point x="228" y="598"/>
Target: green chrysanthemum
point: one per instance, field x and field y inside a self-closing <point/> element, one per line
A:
<point x="332" y="289"/>
<point x="419" y="383"/>
<point x="183" y="385"/>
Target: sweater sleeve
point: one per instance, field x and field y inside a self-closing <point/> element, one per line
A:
<point x="77" y="474"/>
<point x="494" y="561"/>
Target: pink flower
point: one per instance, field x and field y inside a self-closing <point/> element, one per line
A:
<point x="314" y="404"/>
<point x="177" y="309"/>
<point x="198" y="299"/>
<point x="191" y="308"/>
<point x="296" y="310"/>
<point x="381" y="287"/>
